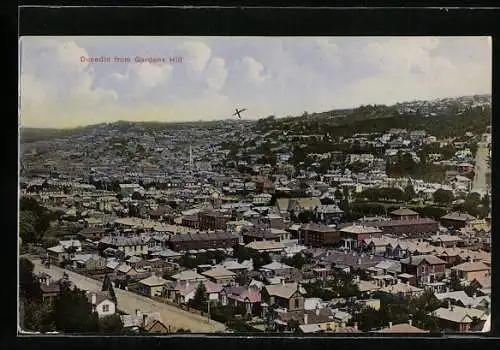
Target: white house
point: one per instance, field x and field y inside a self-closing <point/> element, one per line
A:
<point x="102" y="303"/>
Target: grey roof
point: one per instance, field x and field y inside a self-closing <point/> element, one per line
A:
<point x="416" y="260"/>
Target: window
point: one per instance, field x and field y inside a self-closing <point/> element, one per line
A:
<point x="105" y="308"/>
<point x="296" y="303"/>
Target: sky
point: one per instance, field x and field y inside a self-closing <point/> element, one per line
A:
<point x="208" y="77"/>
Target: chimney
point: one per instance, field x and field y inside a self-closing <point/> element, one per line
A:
<point x="390" y="325"/>
<point x="305" y="317"/>
<point x="356" y="325"/>
<point x="449" y="305"/>
<point x="410" y="322"/>
<point x="94" y="299"/>
<point x="317" y="310"/>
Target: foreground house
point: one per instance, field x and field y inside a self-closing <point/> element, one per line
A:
<point x="428" y="269"/>
<point x="402" y="328"/>
<point x="248" y="297"/>
<point x="221" y="276"/>
<point x="285" y="295"/>
<point x="472" y="270"/>
<point x="151" y="286"/>
<point x="102" y="303"/>
<point x="146" y="322"/>
<point x="460" y="319"/>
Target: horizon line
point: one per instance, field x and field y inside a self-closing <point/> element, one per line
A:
<point x="249" y="119"/>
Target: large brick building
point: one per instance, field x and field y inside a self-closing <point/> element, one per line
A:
<point x="213" y="220"/>
<point x="315" y="235"/>
<point x="420" y="227"/>
<point x="203" y="240"/>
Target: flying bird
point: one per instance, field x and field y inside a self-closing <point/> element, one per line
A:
<point x="238" y="112"/>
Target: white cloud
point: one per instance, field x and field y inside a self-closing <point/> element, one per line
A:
<point x="53" y="73"/>
<point x="252" y="70"/>
<point x="196" y="54"/>
<point x="216" y="73"/>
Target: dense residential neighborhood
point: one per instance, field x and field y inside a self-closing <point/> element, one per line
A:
<point x="370" y="220"/>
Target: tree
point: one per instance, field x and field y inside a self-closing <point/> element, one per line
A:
<point x="29" y="287"/>
<point x="38" y="316"/>
<point x="443" y="196"/>
<point x="73" y="312"/>
<point x="137" y="196"/>
<point x="409" y="191"/>
<point x="111" y="324"/>
<point x="455" y="284"/>
<point x="200" y="297"/>
<point x="107" y="286"/>
<point x="27" y="222"/>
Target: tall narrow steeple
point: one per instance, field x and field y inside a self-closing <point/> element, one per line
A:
<point x="190" y="158"/>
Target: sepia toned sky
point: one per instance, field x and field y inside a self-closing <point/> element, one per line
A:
<point x="267" y="75"/>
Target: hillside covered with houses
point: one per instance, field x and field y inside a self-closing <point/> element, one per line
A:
<point x="370" y="220"/>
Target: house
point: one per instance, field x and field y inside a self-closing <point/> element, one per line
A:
<point x="316" y="235"/>
<point x="403" y="214"/>
<point x="459" y="319"/>
<point x="49" y="289"/>
<point x="265" y="246"/>
<point x="124" y="270"/>
<point x="57" y="254"/>
<point x="472" y="270"/>
<point x="134" y="245"/>
<point x="426" y="268"/>
<point x="275" y="268"/>
<point x="312" y="321"/>
<point x="151" y="286"/>
<point x="188" y="276"/>
<point x="402" y="290"/>
<point x="483" y="283"/>
<point x="72" y="244"/>
<point x="221" y="276"/>
<point x="204" y="240"/>
<point x="90" y="262"/>
<point x="285" y="295"/>
<point x="456" y="220"/>
<point x="445" y="240"/>
<point x="102" y="303"/>
<point x="248" y="297"/>
<point x="415" y="227"/>
<point x="182" y="293"/>
<point x="148" y="322"/>
<point x="460" y="298"/>
<point x="329" y="213"/>
<point x="354" y="235"/>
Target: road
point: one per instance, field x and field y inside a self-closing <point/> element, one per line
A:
<point x="129" y="302"/>
<point x="482" y="167"/>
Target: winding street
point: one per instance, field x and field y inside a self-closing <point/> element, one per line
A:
<point x="129" y="302"/>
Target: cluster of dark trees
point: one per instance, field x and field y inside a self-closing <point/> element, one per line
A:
<point x="475" y="205"/>
<point x="298" y="260"/>
<point x="191" y="261"/>
<point x="70" y="312"/>
<point x="341" y="286"/>
<point x="259" y="259"/>
<point x="34" y="220"/>
<point x="399" y="310"/>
